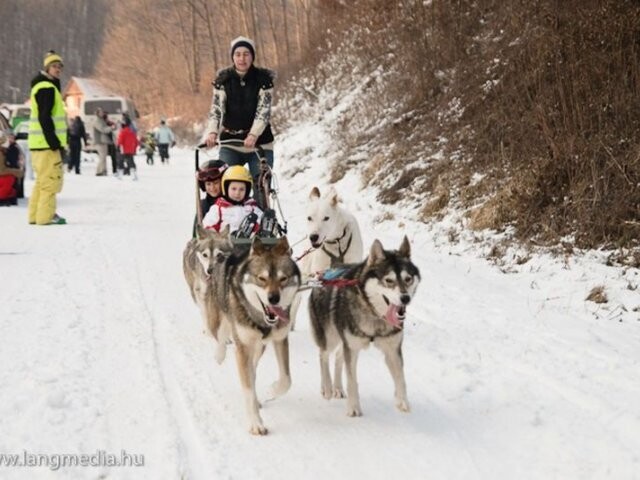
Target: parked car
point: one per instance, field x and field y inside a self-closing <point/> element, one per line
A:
<point x="4" y="123"/>
<point x="15" y="113"/>
<point x="22" y="139"/>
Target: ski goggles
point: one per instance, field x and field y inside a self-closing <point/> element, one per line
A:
<point x="211" y="174"/>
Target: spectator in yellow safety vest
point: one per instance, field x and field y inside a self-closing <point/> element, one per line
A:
<point x="47" y="141"/>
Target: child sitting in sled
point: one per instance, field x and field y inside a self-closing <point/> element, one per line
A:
<point x="235" y="204"/>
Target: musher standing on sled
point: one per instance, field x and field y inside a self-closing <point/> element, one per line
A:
<point x="241" y="110"/>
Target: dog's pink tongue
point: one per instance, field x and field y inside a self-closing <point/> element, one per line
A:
<point x="392" y="316"/>
<point x="279" y="312"/>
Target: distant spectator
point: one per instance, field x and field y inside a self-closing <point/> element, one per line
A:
<point x="77" y="134"/>
<point x="15" y="160"/>
<point x="9" y="177"/>
<point x="165" y="139"/>
<point x="149" y="147"/>
<point x="128" y="143"/>
<point x="102" y="138"/>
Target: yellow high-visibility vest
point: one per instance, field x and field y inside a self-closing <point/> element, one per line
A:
<point x="36" y="136"/>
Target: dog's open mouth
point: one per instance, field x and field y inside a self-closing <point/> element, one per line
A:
<point x="395" y="314"/>
<point x="274" y="314"/>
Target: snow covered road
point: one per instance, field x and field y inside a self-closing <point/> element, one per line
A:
<point x="509" y="375"/>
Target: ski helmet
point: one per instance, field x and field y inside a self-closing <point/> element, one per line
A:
<point x="211" y="171"/>
<point x="237" y="173"/>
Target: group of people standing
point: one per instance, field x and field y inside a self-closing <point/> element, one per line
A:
<point x="239" y="121"/>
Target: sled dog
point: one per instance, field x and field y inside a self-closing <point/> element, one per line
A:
<point x="334" y="235"/>
<point x="332" y="231"/>
<point x="259" y="286"/>
<point x="202" y="262"/>
<point x="371" y="309"/>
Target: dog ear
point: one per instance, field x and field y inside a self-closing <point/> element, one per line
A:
<point x="282" y="247"/>
<point x="376" y="254"/>
<point x="333" y="196"/>
<point x="257" y="247"/>
<point x="200" y="232"/>
<point x="315" y="194"/>
<point x="405" y="248"/>
<point x="225" y="231"/>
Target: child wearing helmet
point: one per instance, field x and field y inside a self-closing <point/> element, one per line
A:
<point x="208" y="178"/>
<point x="235" y="203"/>
<point x="209" y="181"/>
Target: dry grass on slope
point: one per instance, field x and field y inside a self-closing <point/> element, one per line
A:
<point x="525" y="113"/>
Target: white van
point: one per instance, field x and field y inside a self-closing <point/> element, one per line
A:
<point x="113" y="106"/>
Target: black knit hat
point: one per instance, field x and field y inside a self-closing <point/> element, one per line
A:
<point x="243" y="42"/>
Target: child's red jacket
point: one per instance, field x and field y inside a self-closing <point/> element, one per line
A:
<point x="128" y="140"/>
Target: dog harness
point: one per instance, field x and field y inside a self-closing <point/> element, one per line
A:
<point x="339" y="258"/>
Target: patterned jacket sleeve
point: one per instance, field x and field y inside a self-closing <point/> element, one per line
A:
<point x="263" y="110"/>
<point x="216" y="111"/>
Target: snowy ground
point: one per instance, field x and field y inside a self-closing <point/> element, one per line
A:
<point x="509" y="375"/>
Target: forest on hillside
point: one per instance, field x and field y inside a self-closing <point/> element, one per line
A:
<point x="522" y="115"/>
<point x="29" y="28"/>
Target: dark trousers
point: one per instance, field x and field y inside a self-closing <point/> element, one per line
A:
<point x="128" y="163"/>
<point x="163" y="148"/>
<point x="113" y="153"/>
<point x="75" y="148"/>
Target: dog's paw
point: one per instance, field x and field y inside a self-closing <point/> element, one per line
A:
<point x="327" y="393"/>
<point x="402" y="404"/>
<point x="258" y="429"/>
<point x="354" y="411"/>
<point x="338" y="392"/>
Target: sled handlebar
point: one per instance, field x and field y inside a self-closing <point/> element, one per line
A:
<point x="231" y="141"/>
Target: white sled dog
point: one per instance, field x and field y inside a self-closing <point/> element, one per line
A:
<point x="334" y="235"/>
<point x="370" y="309"/>
<point x="258" y="287"/>
<point x="332" y="231"/>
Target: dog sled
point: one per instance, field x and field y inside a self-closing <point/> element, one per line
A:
<point x="273" y="224"/>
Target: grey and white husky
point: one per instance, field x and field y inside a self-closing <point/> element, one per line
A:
<point x="370" y="307"/>
<point x="203" y="263"/>
<point x="259" y="286"/>
<point x="201" y="258"/>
